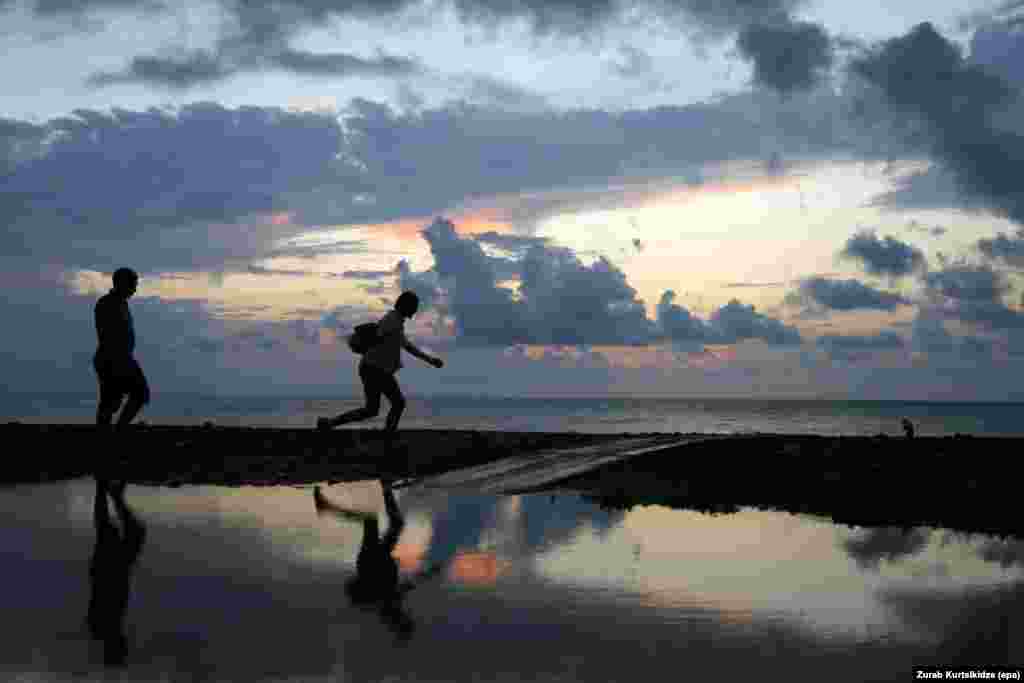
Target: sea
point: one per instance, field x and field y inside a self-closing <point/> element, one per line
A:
<point x="583" y="415"/>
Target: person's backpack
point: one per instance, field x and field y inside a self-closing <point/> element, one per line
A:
<point x="363" y="338"/>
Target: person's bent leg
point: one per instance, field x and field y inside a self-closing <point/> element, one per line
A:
<point x="372" y="391"/>
<point x="394" y="395"/>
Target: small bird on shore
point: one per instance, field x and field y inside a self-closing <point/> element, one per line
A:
<point x="908" y="428"/>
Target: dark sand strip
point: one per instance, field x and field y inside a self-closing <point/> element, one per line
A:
<point x="964" y="483"/>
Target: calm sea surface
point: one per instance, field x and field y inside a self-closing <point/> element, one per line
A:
<point x="592" y="415"/>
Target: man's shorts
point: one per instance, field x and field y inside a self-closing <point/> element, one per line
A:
<point x="119" y="377"/>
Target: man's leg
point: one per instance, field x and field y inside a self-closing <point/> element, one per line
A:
<point x="372" y="390"/>
<point x="393" y="392"/>
<point x="110" y="395"/>
<point x="138" y="394"/>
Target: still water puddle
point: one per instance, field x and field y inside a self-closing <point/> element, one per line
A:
<point x="251" y="584"/>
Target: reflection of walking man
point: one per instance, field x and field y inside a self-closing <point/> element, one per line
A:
<point x="377" y="583"/>
<point x="110" y="572"/>
<point x="117" y="370"/>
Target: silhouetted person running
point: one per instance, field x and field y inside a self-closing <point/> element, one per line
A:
<point x="377" y="584"/>
<point x="110" y="571"/>
<point x="379" y="365"/>
<point x="117" y="370"/>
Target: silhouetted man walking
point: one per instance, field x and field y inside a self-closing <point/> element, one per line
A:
<point x="380" y="363"/>
<point x="117" y="370"/>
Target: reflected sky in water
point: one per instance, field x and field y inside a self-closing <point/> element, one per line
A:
<point x="249" y="584"/>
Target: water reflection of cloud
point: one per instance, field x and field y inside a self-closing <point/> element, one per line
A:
<point x="870" y="546"/>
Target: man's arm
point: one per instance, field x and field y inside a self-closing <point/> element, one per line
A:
<point x="425" y="357"/>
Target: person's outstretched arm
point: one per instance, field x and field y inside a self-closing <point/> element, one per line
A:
<point x="425" y="357"/>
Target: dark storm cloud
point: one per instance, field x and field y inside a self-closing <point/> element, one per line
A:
<point x="197" y="67"/>
<point x="49" y="8"/>
<point x="205" y="174"/>
<point x="201" y="67"/>
<point x="135" y="181"/>
<point x="870" y="547"/>
<point x="883" y="257"/>
<point x="925" y="78"/>
<point x="787" y="55"/>
<point x="341" y="64"/>
<point x="848" y="295"/>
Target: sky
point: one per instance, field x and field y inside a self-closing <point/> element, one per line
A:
<point x="749" y="198"/>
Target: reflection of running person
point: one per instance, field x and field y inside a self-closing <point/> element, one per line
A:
<point x="376" y="583"/>
<point x="380" y="363"/>
<point x="110" y="571"/>
<point x="117" y="370"/>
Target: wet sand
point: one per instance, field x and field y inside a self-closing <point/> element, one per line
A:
<point x="961" y="482"/>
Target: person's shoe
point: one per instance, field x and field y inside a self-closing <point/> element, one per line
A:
<point x="323" y="424"/>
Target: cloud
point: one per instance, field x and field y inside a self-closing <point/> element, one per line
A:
<point x="848" y="295"/>
<point x="886" y="257"/>
<point x="424" y="285"/>
<point x="517" y="244"/>
<point x="1006" y="552"/>
<point x="636" y="63"/>
<point x="859" y="347"/>
<point x="929" y="334"/>
<point x="363" y="274"/>
<point x="728" y="324"/>
<point x="965" y="282"/>
<point x="202" y="67"/>
<point x="735" y="322"/>
<point x="999" y="48"/>
<point x="787" y="55"/>
<point x="146" y="187"/>
<point x="924" y="77"/>
<point x="561" y="301"/>
<point x="741" y="285"/>
<point x="871" y="546"/>
<point x="933" y="231"/>
<point x="178" y="72"/>
<point x="260" y="270"/>
<point x="1003" y="249"/>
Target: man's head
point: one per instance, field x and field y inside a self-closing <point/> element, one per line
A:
<point x="407" y="304"/>
<point x="126" y="281"/>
